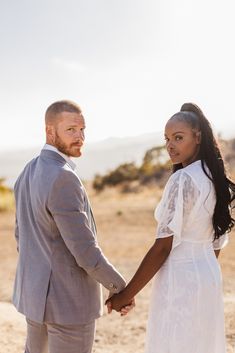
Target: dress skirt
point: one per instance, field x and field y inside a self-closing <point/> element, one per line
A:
<point x="186" y="307"/>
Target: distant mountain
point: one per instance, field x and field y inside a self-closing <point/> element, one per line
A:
<point x="97" y="157"/>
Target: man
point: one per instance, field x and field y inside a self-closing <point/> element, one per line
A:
<point x="60" y="266"/>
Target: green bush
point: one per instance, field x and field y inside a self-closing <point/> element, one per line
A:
<point x="125" y="172"/>
<point x="6" y="197"/>
<point x="98" y="183"/>
<point x="155" y="167"/>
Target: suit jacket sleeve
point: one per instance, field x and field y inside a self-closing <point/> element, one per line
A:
<point x="66" y="205"/>
<point x="17" y="234"/>
<point x="16" y="223"/>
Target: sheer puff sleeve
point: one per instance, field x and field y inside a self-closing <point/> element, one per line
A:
<point x="179" y="198"/>
<point x="221" y="242"/>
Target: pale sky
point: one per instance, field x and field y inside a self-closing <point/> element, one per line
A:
<point x="130" y="64"/>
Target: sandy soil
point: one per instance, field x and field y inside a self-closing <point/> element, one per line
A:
<point x="126" y="229"/>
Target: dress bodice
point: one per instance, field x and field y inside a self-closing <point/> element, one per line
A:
<point x="187" y="206"/>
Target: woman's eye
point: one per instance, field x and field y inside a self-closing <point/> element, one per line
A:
<point x="178" y="138"/>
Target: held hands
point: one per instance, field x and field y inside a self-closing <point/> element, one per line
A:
<point x="119" y="303"/>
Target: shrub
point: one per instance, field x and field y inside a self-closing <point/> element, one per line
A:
<point x="125" y="172"/>
<point x="155" y="167"/>
<point x="6" y="197"/>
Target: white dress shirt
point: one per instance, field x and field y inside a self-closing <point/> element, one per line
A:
<point x="54" y="149"/>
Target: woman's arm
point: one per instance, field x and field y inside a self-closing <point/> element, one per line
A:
<point x="151" y="263"/>
<point x="220" y="243"/>
<point x="217" y="253"/>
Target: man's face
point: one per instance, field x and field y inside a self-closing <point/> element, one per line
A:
<point x="69" y="134"/>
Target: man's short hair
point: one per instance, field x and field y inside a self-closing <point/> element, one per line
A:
<point x="59" y="107"/>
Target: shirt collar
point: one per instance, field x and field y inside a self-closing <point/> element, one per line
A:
<point x="54" y="149"/>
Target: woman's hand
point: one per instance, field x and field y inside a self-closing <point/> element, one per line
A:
<point x="120" y="303"/>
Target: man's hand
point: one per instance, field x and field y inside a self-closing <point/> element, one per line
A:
<point x="108" y="303"/>
<point x="125" y="310"/>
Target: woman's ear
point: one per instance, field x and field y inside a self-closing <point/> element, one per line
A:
<point x="198" y="137"/>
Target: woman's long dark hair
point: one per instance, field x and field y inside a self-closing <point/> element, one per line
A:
<point x="210" y="155"/>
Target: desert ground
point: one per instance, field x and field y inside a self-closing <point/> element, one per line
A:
<point x="126" y="229"/>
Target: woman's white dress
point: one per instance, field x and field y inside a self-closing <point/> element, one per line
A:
<point x="186" y="308"/>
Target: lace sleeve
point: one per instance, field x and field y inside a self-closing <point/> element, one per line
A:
<point x="179" y="199"/>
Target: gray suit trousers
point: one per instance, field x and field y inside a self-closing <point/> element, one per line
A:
<point x="53" y="338"/>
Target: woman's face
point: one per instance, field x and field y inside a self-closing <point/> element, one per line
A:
<point x="182" y="142"/>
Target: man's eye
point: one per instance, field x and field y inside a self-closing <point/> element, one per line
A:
<point x="70" y="129"/>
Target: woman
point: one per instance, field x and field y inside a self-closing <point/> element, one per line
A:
<point x="194" y="216"/>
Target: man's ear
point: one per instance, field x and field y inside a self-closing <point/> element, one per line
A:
<point x="50" y="133"/>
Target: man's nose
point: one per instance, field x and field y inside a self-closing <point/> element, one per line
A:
<point x="80" y="135"/>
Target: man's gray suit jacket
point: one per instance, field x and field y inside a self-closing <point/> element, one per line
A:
<point x="60" y="265"/>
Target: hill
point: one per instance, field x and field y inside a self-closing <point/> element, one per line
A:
<point x="97" y="157"/>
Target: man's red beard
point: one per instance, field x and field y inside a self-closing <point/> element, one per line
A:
<point x="62" y="147"/>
